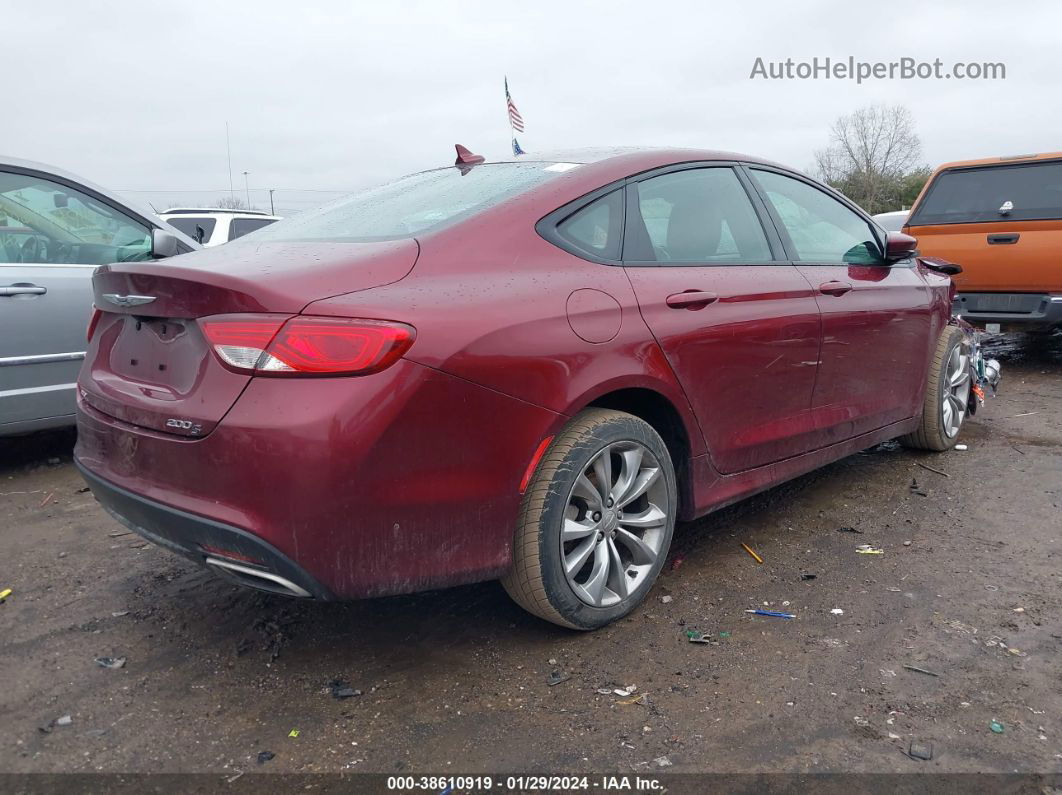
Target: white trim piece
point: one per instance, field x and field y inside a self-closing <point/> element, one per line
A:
<point x="42" y="358"/>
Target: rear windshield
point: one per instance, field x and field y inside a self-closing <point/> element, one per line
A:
<point x="199" y="229"/>
<point x="412" y="204"/>
<point x="1028" y="192"/>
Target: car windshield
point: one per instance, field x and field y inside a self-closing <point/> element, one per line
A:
<point x="1027" y="192"/>
<point x="412" y="204"/>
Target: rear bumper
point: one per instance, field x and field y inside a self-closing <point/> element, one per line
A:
<point x="401" y="481"/>
<point x="1010" y="309"/>
<point x="260" y="564"/>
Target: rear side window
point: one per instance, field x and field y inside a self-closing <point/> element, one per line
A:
<point x="413" y="204"/>
<point x="1027" y="192"/>
<point x="199" y="229"/>
<point x="694" y="215"/>
<point x="242" y="226"/>
<point x="596" y="229"/>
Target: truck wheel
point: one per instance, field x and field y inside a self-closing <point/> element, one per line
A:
<point x="948" y="393"/>
<point x="596" y="521"/>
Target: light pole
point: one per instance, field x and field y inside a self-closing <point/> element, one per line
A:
<point x="271" y="210"/>
<point x="246" y="190"/>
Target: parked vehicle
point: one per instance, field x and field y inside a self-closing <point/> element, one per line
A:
<point x="892" y="221"/>
<point x="523" y="370"/>
<point x="212" y="226"/>
<point x="1001" y="220"/>
<point x="55" y="228"/>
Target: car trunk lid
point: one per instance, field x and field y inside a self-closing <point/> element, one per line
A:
<point x="149" y="363"/>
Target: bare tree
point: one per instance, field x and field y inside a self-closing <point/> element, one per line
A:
<point x="873" y="154"/>
<point x="231" y="203"/>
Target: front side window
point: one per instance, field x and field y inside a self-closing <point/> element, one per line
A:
<point x="46" y="222"/>
<point x="821" y="228"/>
<point x="696" y="215"/>
<point x="413" y="204"/>
<point x="198" y="228"/>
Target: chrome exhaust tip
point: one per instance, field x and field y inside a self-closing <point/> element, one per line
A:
<point x="257" y="578"/>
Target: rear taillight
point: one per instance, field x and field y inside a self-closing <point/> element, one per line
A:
<point x="302" y="345"/>
<point x="93" y="322"/>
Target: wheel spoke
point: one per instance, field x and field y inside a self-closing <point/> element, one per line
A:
<point x="646" y="478"/>
<point x="586" y="490"/>
<point x="603" y="470"/>
<point x="594" y="587"/>
<point x="630" y="466"/>
<point x="575" y="560"/>
<point x="646" y="520"/>
<point x="960" y="374"/>
<point x="948" y="414"/>
<point x="617" y="579"/>
<point x="641" y="553"/>
<point x="574" y="530"/>
<point x="958" y="406"/>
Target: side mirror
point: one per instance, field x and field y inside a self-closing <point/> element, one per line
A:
<point x="163" y="244"/>
<point x="899" y="246"/>
<point x="941" y="265"/>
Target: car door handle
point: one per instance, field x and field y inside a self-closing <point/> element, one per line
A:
<point x="834" y="288"/>
<point x="691" y="299"/>
<point x="1010" y="237"/>
<point x="23" y="289"/>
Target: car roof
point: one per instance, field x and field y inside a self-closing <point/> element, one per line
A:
<point x="892" y="212"/>
<point x="216" y="211"/>
<point x="1000" y="161"/>
<point x="140" y="208"/>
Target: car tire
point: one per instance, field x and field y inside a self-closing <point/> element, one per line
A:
<point x="948" y="394"/>
<point x="629" y="540"/>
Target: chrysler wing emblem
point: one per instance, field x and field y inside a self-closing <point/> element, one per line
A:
<point x="128" y="300"/>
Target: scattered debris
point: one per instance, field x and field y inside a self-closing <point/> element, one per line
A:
<point x="556" y="677"/>
<point x="120" y="533"/>
<point x="861" y="721"/>
<point x="808" y="576"/>
<point x="914" y="489"/>
<point x="918" y="670"/>
<point x="847" y="529"/>
<point x="894" y="736"/>
<point x="47" y="499"/>
<point x="265" y="756"/>
<point x="961" y="447"/>
<point x="1026" y="414"/>
<point x="625" y="691"/>
<point x="665" y="599"/>
<point x="604" y="691"/>
<point x="755" y="557"/>
<point x="1018" y="610"/>
<point x="677" y="562"/>
<point x="66" y="720"/>
<point x="341" y="690"/>
<point x="662" y="761"/>
<point x="638" y="699"/>
<point x="694" y="636"/>
<point x="551" y="661"/>
<point x="922" y="751"/>
<point x="82" y="490"/>
<point x="907" y="543"/>
<point x="111" y="662"/>
<point x="867" y="549"/>
<point x="724" y="634"/>
<point x="837" y="611"/>
<point x="772" y="613"/>
<point x="996" y="726"/>
<point x="4" y="594"/>
<point x="926" y="466"/>
<point x="293" y="733"/>
<point x="119" y="613"/>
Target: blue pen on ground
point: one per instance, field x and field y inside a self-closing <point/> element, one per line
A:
<point x="772" y="613"/>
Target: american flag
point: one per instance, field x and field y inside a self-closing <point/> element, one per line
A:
<point x="516" y="121"/>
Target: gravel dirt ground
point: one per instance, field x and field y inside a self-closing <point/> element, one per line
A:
<point x="968" y="587"/>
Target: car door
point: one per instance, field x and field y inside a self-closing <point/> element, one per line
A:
<point x="737" y="322"/>
<point x="52" y="236"/>
<point x="876" y="317"/>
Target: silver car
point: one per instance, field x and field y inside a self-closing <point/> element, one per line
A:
<point x="55" y="229"/>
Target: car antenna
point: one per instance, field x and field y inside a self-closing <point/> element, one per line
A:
<point x="466" y="159"/>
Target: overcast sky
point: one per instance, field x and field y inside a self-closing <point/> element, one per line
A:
<point x="337" y="95"/>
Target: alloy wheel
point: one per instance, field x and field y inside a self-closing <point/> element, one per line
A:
<point x="956" y="397"/>
<point x="614" y="524"/>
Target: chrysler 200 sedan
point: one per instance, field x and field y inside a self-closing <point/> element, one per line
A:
<point x="524" y="371"/>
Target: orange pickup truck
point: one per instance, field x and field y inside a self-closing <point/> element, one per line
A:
<point x="1001" y="220"/>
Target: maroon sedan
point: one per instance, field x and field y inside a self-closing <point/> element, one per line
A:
<point x="522" y="370"/>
